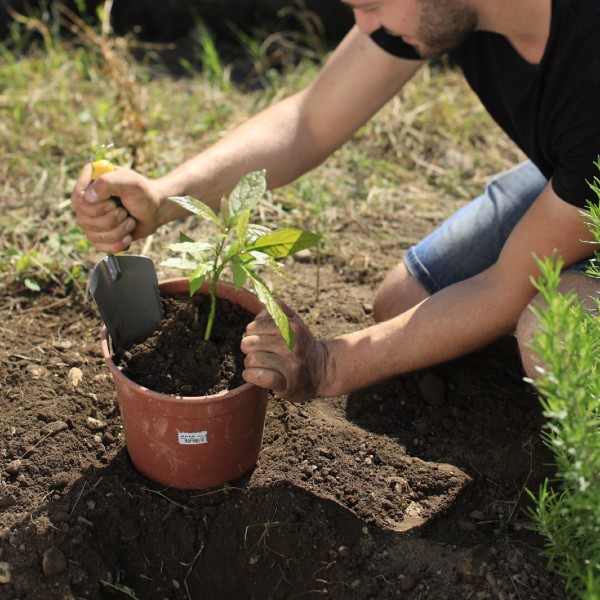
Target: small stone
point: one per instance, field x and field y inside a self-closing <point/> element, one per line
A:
<point x="303" y="256"/>
<point x="74" y="359"/>
<point x="433" y="389"/>
<point x="54" y="562"/>
<point x="344" y="551"/>
<point x="37" y="371"/>
<point x="326" y="452"/>
<point x="60" y="480"/>
<point x="60" y="517"/>
<point x="63" y="344"/>
<point x="477" y="515"/>
<point x="51" y="429"/>
<point x="14" y="467"/>
<point x="7" y="499"/>
<point x="455" y="159"/>
<point x="75" y="376"/>
<point x="5" y="572"/>
<point x="94" y="424"/>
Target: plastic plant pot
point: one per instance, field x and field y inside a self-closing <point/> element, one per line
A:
<point x="191" y="442"/>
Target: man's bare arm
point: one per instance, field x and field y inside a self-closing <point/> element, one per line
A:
<point x="298" y="133"/>
<point x="446" y="325"/>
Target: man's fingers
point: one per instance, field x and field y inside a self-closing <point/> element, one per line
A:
<point x="111" y="232"/>
<point x="109" y="226"/>
<point x="265" y="338"/>
<point x="265" y="378"/>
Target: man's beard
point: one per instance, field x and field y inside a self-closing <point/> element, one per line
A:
<point x="443" y="26"/>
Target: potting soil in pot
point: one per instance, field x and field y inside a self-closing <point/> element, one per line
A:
<point x="177" y="360"/>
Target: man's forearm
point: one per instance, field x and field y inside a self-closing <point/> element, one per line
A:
<point x="449" y="324"/>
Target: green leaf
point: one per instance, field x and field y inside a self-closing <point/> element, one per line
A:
<point x="247" y="193"/>
<point x="196" y="207"/>
<point x="32" y="284"/>
<point x="200" y="270"/>
<point x="242" y="225"/>
<point x="280" y="318"/>
<point x="179" y="263"/>
<point x="230" y="251"/>
<point x="284" y="242"/>
<point x="255" y="231"/>
<point x="196" y="283"/>
<point x="197" y="249"/>
<point x="240" y="275"/>
<point x="225" y="213"/>
<point x="198" y="277"/>
<point x="272" y="265"/>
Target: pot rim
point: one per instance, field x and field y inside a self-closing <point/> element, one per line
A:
<point x="219" y="396"/>
<point x="116" y="372"/>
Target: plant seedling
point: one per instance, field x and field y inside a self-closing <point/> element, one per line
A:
<point x="242" y="246"/>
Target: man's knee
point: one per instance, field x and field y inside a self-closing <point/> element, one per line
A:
<point x="398" y="292"/>
<point x="586" y="289"/>
<point x="526" y="329"/>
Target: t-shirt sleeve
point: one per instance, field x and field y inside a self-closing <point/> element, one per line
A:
<point x="394" y="45"/>
<point x="579" y="150"/>
<point x="573" y="185"/>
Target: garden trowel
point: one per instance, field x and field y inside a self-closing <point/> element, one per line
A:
<point x="125" y="289"/>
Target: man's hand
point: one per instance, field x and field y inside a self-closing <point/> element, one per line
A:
<point x="295" y="376"/>
<point x="109" y="227"/>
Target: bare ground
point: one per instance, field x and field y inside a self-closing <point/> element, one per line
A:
<point x="411" y="489"/>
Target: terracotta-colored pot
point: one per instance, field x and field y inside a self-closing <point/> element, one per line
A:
<point x="192" y="442"/>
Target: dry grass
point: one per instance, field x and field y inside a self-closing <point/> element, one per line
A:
<point x="432" y="146"/>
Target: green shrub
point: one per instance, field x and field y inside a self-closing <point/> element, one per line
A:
<point x="567" y="509"/>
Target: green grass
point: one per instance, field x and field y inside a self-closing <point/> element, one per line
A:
<point x="63" y="97"/>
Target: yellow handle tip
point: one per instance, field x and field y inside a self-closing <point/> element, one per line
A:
<point x="99" y="167"/>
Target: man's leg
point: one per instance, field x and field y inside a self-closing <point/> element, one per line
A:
<point x="464" y="245"/>
<point x="586" y="289"/>
<point x="399" y="292"/>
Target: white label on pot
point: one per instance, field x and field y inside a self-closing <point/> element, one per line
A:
<point x="193" y="437"/>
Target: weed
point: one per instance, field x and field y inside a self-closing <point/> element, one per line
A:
<point x="208" y="55"/>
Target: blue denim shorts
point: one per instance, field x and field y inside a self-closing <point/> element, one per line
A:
<point x="470" y="241"/>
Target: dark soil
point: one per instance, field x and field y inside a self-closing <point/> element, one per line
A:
<point x="411" y="489"/>
<point x="177" y="359"/>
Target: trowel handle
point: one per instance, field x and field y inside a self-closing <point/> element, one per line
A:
<point x="119" y="202"/>
<point x="99" y="167"/>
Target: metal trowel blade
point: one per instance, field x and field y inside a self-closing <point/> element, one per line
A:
<point x="125" y="289"/>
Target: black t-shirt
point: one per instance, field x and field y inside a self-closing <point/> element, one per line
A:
<point x="550" y="110"/>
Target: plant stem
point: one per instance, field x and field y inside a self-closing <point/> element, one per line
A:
<point x="216" y="273"/>
<point x="213" y="308"/>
